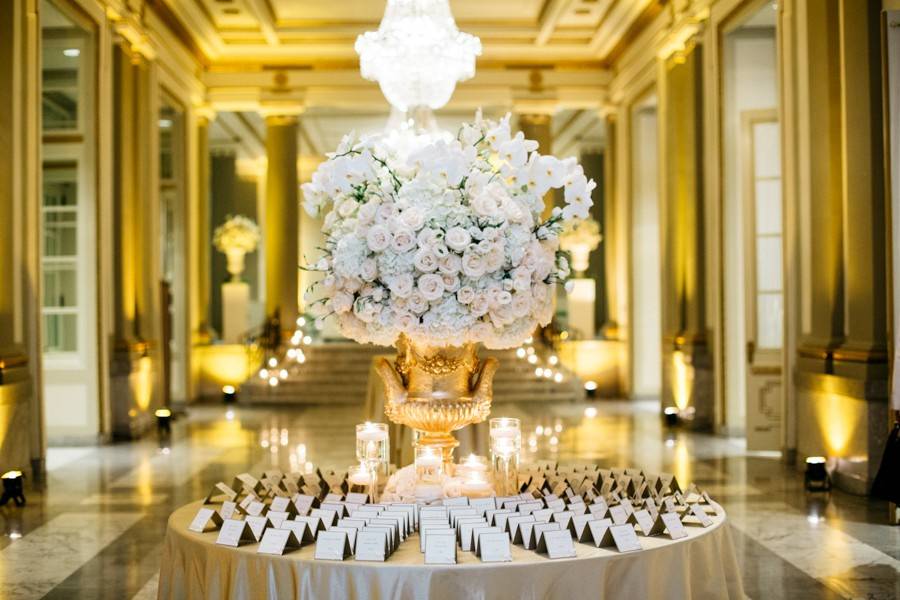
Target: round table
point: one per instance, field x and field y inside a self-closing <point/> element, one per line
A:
<point x="700" y="566"/>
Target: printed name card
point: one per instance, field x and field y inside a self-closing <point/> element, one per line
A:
<point x="351" y="535"/>
<point x="428" y="529"/>
<point x="440" y="548"/>
<point x="227" y="510"/>
<point x="388" y="533"/>
<point x="644" y="521"/>
<point x="512" y="526"/>
<point x="494" y="547"/>
<point x="337" y="507"/>
<point x="597" y="533"/>
<point x="599" y="509"/>
<point x="234" y="533"/>
<point x="626" y="504"/>
<point x="491" y="515"/>
<point x="301" y="530"/>
<point x="333" y="498"/>
<point x="482" y="504"/>
<point x="314" y="524"/>
<point x="557" y="544"/>
<point x="247" y="482"/>
<point x="674" y="526"/>
<point x="206" y="517"/>
<point x="701" y="515"/>
<point x="357" y="498"/>
<point x="625" y="537"/>
<point x="619" y="514"/>
<point x="281" y="504"/>
<point x="543" y="516"/>
<point x="257" y="526"/>
<point x="255" y="508"/>
<point x="537" y="531"/>
<point x="458" y="501"/>
<point x="332" y="545"/>
<point x="276" y="541"/>
<point x="329" y="517"/>
<point x="276" y="518"/>
<point x="219" y="493"/>
<point x="562" y="518"/>
<point x="465" y="532"/>
<point x="304" y="503"/>
<point x="372" y="545"/>
<point x="578" y="523"/>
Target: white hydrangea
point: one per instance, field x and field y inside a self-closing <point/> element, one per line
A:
<point x="444" y="242"/>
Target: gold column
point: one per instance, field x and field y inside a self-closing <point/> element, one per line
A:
<point x="536" y="126"/>
<point x="610" y="327"/>
<point x="200" y="228"/>
<point x="282" y="219"/>
<point x="687" y="369"/>
<point x="22" y="438"/>
<point x="863" y="188"/>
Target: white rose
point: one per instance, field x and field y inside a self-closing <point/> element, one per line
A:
<point x="347" y="207"/>
<point x="451" y="283"/>
<point x="385" y="212"/>
<point x="473" y="264"/>
<point x="403" y="241"/>
<point x="368" y="270"/>
<point x="417" y="303"/>
<point x="341" y="302"/>
<point x="401" y="285"/>
<point x="425" y="261"/>
<point x="450" y="264"/>
<point x="479" y="304"/>
<point x="465" y="294"/>
<point x="428" y="238"/>
<point x="521" y="305"/>
<point x="367" y="212"/>
<point x="413" y="217"/>
<point x="457" y="238"/>
<point x="406" y="321"/>
<point x="431" y="286"/>
<point x="494" y="260"/>
<point x="377" y="238"/>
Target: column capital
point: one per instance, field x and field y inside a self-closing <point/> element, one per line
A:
<point x="205" y="112"/>
<point x="280" y="120"/>
<point x="285" y="112"/>
<point x="538" y="110"/>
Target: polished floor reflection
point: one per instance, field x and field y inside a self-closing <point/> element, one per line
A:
<point x="96" y="530"/>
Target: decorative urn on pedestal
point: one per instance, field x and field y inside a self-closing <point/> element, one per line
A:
<point x="437" y="390"/>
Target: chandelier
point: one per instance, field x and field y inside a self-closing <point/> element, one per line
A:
<point x="417" y="55"/>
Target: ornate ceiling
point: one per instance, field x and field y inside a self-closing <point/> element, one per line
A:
<point x="295" y="32"/>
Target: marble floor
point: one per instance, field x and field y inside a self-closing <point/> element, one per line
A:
<point x="96" y="528"/>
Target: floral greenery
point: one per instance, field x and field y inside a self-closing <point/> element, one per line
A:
<point x="444" y="243"/>
<point x="236" y="233"/>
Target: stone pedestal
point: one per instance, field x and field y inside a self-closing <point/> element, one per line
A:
<point x="235" y="307"/>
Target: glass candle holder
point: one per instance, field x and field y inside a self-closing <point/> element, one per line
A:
<point x="372" y="447"/>
<point x="476" y="485"/>
<point x="506" y="442"/>
<point x="471" y="466"/>
<point x="429" y="465"/>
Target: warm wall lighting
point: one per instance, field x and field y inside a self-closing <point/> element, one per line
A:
<point x="164" y="420"/>
<point x="72" y="52"/>
<point x="229" y="394"/>
<point x="682" y="380"/>
<point x="670" y="416"/>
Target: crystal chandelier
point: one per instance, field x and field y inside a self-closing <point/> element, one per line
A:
<point x="417" y="55"/>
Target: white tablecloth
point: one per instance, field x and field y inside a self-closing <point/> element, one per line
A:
<point x="701" y="566"/>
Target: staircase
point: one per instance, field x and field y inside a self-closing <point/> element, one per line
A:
<point x="338" y="373"/>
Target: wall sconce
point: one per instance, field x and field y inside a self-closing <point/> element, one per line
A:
<point x="229" y="394"/>
<point x="590" y="389"/>
<point x="13" y="488"/>
<point x="670" y="416"/>
<point x="164" y="421"/>
<point x="816" y="477"/>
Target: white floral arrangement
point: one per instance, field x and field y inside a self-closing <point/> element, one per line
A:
<point x="444" y="243"/>
<point x="236" y="233"/>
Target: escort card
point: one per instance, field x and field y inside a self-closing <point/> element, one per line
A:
<point x="465" y="532"/>
<point x="526" y="508"/>
<point x="556" y="544"/>
<point x="562" y="518"/>
<point x="206" y="517"/>
<point x="394" y="527"/>
<point x="512" y="525"/>
<point x="314" y="524"/>
<point x="357" y="498"/>
<point x="219" y="493"/>
<point x="247" y="482"/>
<point x="333" y="498"/>
<point x="440" y="548"/>
<point x="478" y="531"/>
<point x="332" y="545"/>
<point x="491" y="514"/>
<point x="257" y="525"/>
<point x="494" y="547"/>
<point x="618" y="514"/>
<point x="425" y="531"/>
<point x="276" y="518"/>
<point x="578" y="523"/>
<point x="397" y="517"/>
<point x="281" y="504"/>
<point x="597" y="533"/>
<point x="372" y="545"/>
<point x="227" y="510"/>
<point x="301" y="530"/>
<point x="350" y="522"/>
<point x="537" y="531"/>
<point x="276" y="541"/>
<point x="255" y="508"/>
<point x="304" y="503"/>
<point x="627" y="505"/>
<point x="351" y="535"/>
<point x="388" y="533"/>
<point x="329" y="517"/>
<point x="482" y="504"/>
<point x="556" y="505"/>
<point x="500" y="519"/>
<point x="409" y="509"/>
<point x="461" y="511"/>
<point x="644" y="521"/>
<point x="543" y="516"/>
<point x="625" y="537"/>
<point x="234" y="533"/>
<point x="340" y="510"/>
<point x="458" y="501"/>
<point x="701" y="515"/>
<point x="674" y="526"/>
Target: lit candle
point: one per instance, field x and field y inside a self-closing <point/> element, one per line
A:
<point x="428" y="458"/>
<point x="476" y="485"/>
<point x="372" y="433"/>
<point x="360" y="476"/>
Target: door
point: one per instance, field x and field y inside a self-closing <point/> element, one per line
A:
<point x="764" y="291"/>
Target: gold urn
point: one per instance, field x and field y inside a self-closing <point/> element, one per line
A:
<point x="437" y="390"/>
